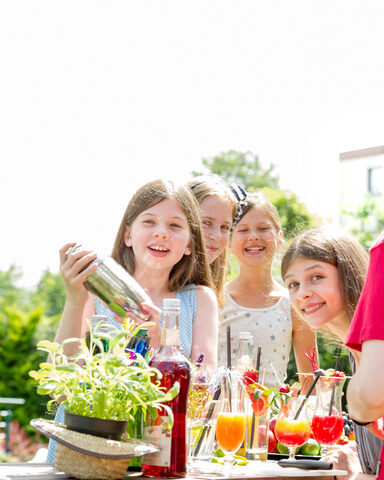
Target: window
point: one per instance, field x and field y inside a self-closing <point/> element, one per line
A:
<point x="375" y="177"/>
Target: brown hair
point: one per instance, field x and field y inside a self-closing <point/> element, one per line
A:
<point x="212" y="185"/>
<point x="338" y="248"/>
<point x="259" y="200"/>
<point x="191" y="268"/>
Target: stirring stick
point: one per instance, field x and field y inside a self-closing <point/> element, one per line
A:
<point x="275" y="373"/>
<point x="229" y="365"/>
<point x="333" y="386"/>
<point x="308" y="394"/>
<point x="229" y="359"/>
<point x="216" y="396"/>
<point x="253" y="413"/>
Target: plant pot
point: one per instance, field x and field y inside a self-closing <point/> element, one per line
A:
<point x="112" y="429"/>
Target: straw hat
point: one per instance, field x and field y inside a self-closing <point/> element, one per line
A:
<point x="87" y="456"/>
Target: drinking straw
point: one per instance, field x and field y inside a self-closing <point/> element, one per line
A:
<point x="275" y="373"/>
<point x="308" y="394"/>
<point x="333" y="386"/>
<point x="216" y="396"/>
<point x="253" y="413"/>
<point x="229" y="360"/>
<point x="229" y="365"/>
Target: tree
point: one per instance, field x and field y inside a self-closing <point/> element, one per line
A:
<point x="245" y="169"/>
<point x="366" y="221"/>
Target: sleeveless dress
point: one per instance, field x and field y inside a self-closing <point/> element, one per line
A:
<point x="271" y="328"/>
<point x="187" y="297"/>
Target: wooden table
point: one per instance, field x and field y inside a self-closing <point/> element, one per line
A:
<point x="270" y="470"/>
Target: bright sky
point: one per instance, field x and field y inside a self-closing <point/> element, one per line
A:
<point x="98" y="97"/>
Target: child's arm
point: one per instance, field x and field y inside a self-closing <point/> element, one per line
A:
<point x="205" y="327"/>
<point x="303" y="337"/>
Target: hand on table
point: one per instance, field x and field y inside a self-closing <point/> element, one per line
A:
<point x="344" y="457"/>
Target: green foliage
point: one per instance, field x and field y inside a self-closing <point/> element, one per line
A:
<point x="50" y="293"/>
<point x="9" y="292"/>
<point x="109" y="384"/>
<point x="293" y="214"/>
<point x="366" y="221"/>
<point x="245" y="169"/>
<point x="18" y="355"/>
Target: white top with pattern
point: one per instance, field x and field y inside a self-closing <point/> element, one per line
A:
<point x="271" y="328"/>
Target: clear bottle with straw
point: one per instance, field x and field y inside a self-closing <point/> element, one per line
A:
<point x="244" y="354"/>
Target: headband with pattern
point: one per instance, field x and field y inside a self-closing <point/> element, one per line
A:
<point x="240" y="195"/>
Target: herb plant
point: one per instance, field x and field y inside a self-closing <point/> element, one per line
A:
<point x="111" y="384"/>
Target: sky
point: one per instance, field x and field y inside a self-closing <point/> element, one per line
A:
<point x="99" y="97"/>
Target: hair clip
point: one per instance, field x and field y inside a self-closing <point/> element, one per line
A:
<point x="195" y="185"/>
<point x="240" y="195"/>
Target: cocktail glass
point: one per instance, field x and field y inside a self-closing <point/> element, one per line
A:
<point x="201" y="432"/>
<point x="230" y="429"/>
<point x="327" y="422"/>
<point x="292" y="427"/>
<point x="257" y="425"/>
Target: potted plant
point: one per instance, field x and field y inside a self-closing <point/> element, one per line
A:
<point x="102" y="382"/>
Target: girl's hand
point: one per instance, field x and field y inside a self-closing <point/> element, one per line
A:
<point x="344" y="457"/>
<point x="75" y="268"/>
<point x="154" y="313"/>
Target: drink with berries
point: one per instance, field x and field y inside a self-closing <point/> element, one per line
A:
<point x="292" y="427"/>
<point x="171" y="459"/>
<point x="327" y="429"/>
<point x="327" y="421"/>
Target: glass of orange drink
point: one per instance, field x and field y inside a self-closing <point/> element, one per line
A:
<point x="230" y="428"/>
<point x="292" y="427"/>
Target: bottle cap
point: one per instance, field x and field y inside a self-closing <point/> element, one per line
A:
<point x="245" y="336"/>
<point x="172" y="303"/>
<point x="143" y="332"/>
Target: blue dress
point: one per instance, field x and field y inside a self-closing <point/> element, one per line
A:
<point x="187" y="296"/>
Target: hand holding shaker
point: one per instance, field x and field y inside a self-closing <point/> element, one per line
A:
<point x="115" y="287"/>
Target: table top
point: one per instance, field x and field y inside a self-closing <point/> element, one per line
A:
<point x="254" y="470"/>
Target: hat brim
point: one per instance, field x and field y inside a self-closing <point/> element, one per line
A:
<point x="91" y="444"/>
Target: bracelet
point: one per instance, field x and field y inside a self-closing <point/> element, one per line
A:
<point x="362" y="424"/>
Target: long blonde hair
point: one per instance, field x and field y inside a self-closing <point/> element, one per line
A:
<point x="191" y="268"/>
<point x="212" y="185"/>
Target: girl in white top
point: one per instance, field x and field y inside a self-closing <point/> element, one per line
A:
<point x="257" y="303"/>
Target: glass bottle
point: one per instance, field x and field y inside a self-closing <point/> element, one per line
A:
<point x="244" y="355"/>
<point x="171" y="460"/>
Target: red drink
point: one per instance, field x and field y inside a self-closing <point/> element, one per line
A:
<point x="171" y="460"/>
<point x="327" y="429"/>
<point x="292" y="433"/>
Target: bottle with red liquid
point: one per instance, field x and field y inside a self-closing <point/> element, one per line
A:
<point x="171" y="460"/>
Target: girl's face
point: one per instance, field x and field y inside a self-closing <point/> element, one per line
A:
<point x="314" y="290"/>
<point x="216" y="219"/>
<point x="159" y="236"/>
<point x="255" y="238"/>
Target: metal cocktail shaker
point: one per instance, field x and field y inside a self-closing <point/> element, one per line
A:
<point x="115" y="287"/>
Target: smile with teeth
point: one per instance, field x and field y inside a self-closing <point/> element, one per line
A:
<point x="312" y="308"/>
<point x="254" y="249"/>
<point x="158" y="248"/>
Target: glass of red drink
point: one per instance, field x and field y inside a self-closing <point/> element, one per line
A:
<point x="292" y="427"/>
<point x="327" y="421"/>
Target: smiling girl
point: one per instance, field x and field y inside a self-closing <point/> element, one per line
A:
<point x="256" y="302"/>
<point x="160" y="244"/>
<point x="217" y="208"/>
<point x="324" y="271"/>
